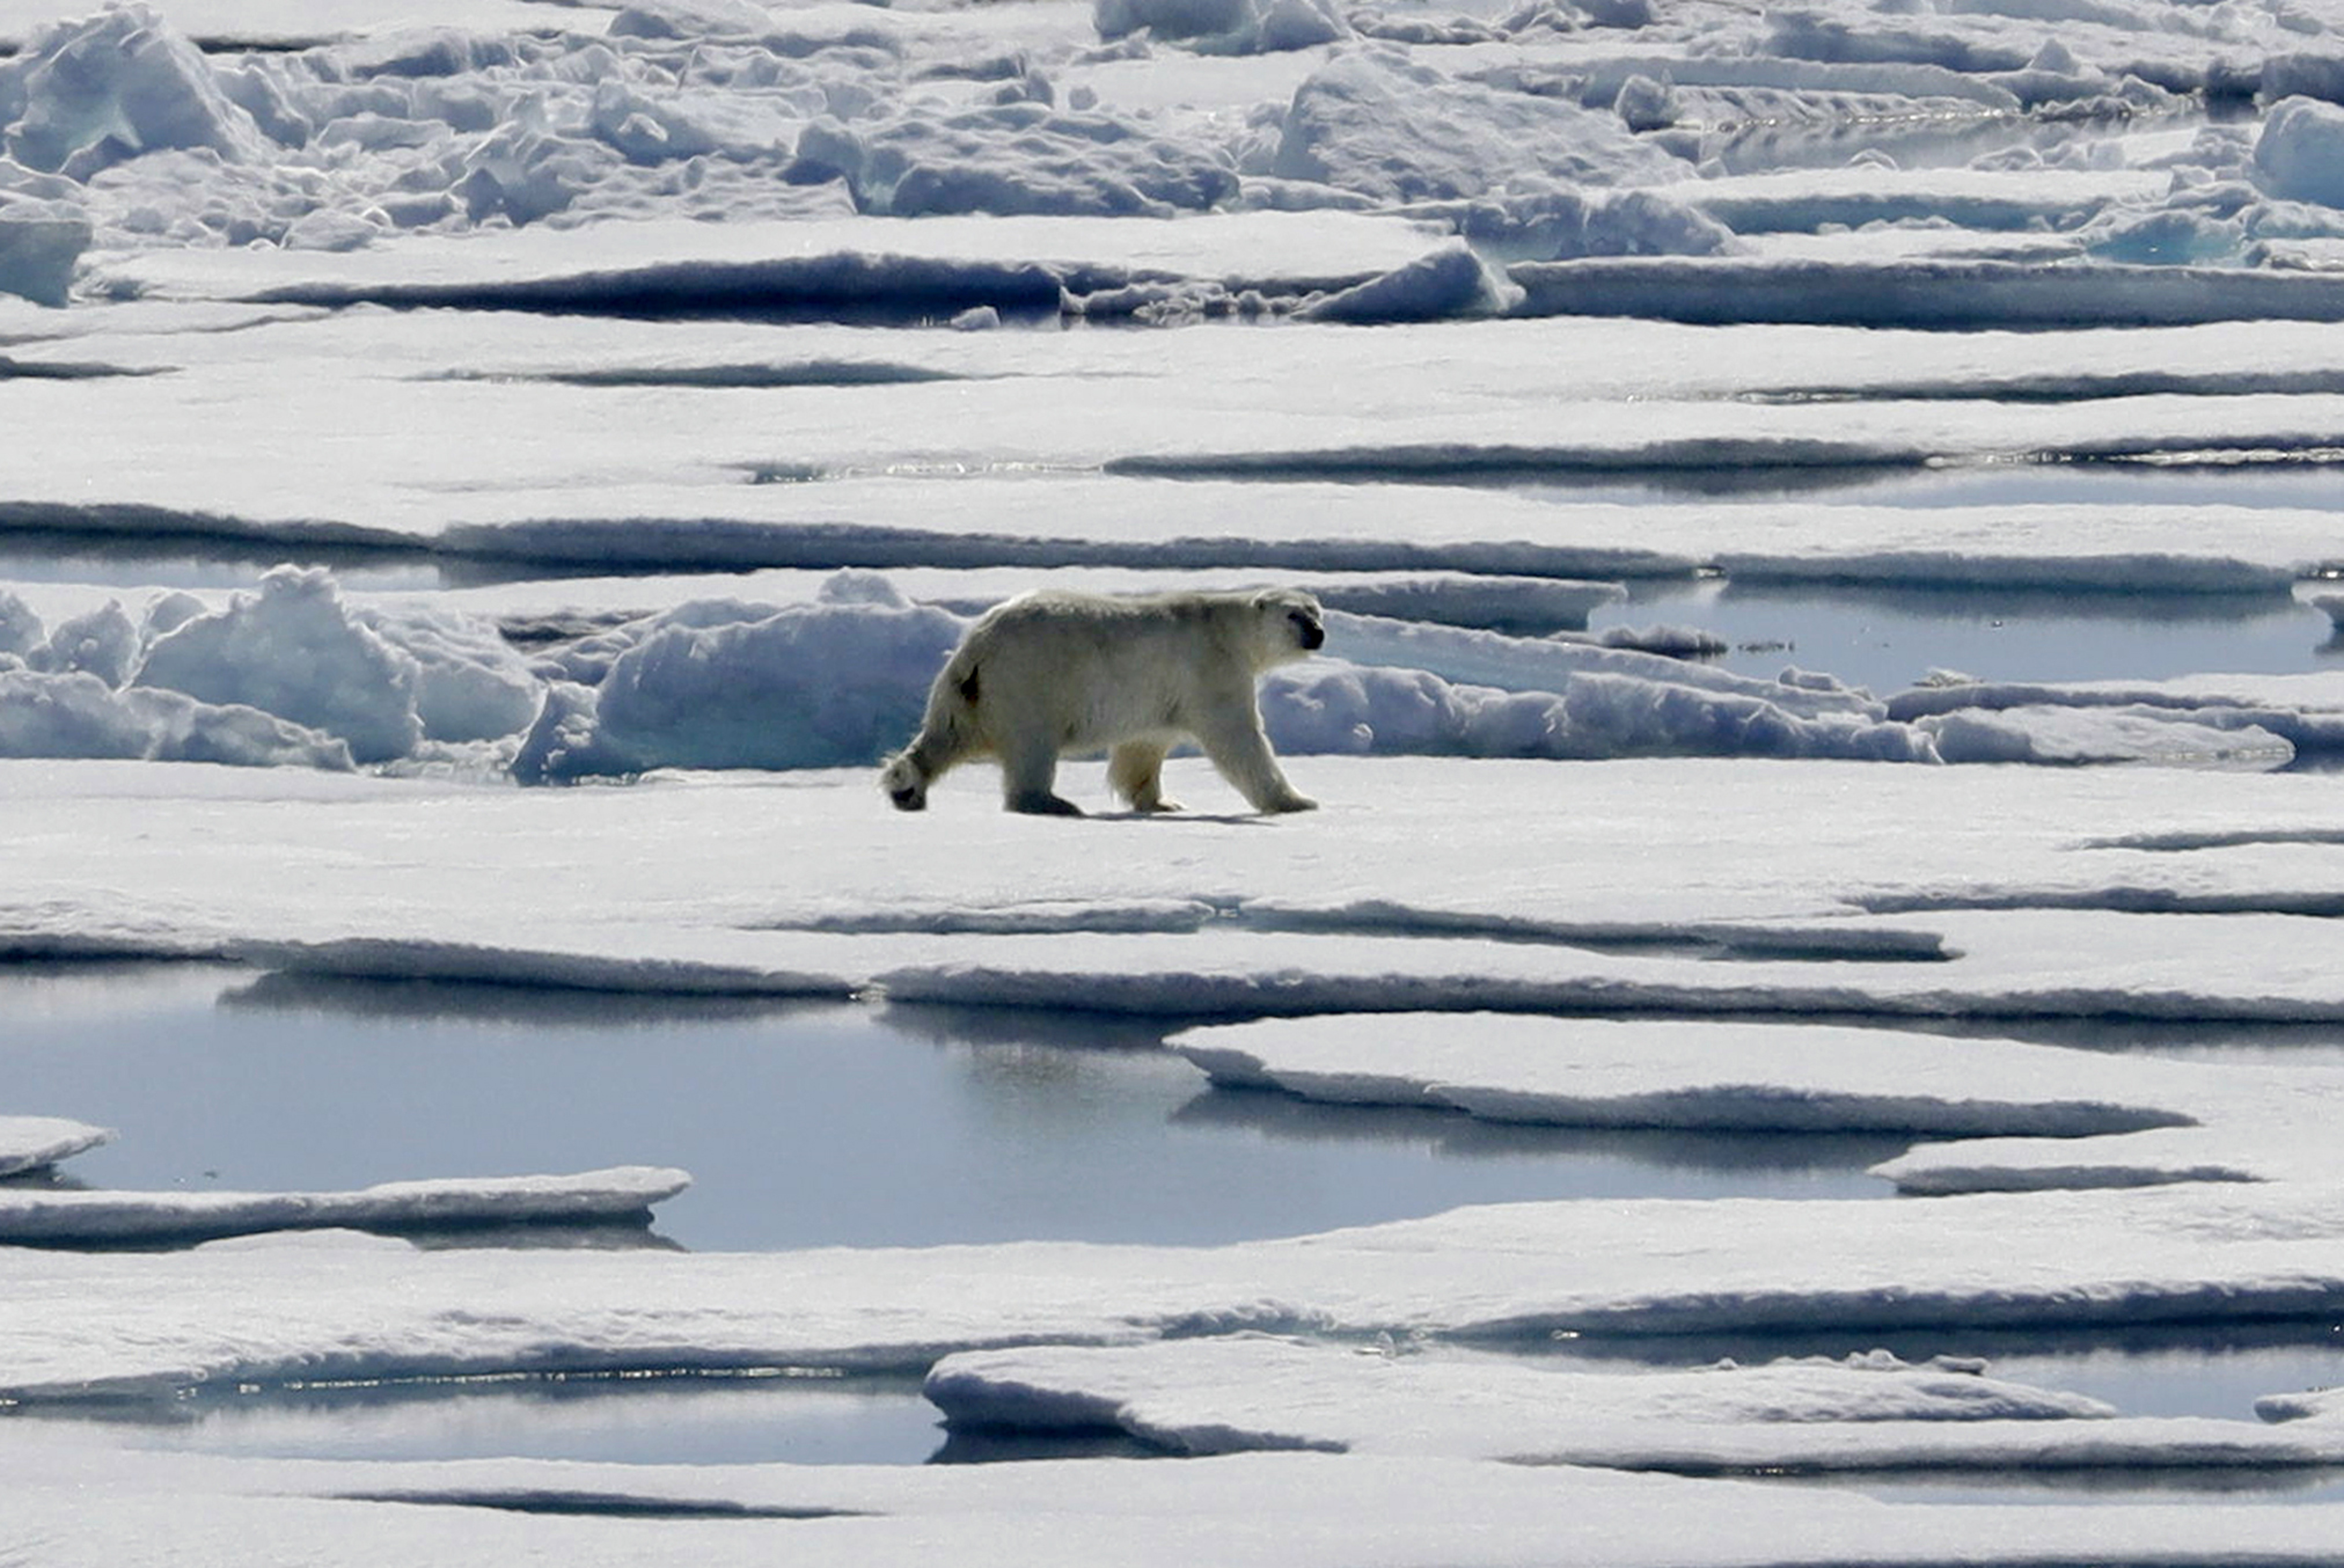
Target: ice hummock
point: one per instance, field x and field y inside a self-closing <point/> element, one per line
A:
<point x="297" y="674"/>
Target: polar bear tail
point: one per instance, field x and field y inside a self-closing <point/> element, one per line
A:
<point x="948" y="733"/>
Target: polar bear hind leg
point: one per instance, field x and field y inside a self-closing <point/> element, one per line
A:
<point x="1136" y="769"/>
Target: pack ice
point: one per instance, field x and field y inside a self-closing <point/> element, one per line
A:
<point x="485" y="484"/>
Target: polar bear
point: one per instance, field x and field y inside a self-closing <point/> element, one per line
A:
<point x="1055" y="671"/>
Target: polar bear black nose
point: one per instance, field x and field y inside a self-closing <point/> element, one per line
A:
<point x="1313" y="636"/>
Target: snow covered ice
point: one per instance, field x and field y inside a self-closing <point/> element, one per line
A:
<point x="1826" y="517"/>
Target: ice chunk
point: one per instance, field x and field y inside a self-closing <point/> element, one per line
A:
<point x="817" y="685"/>
<point x="101" y="642"/>
<point x="41" y="242"/>
<point x="690" y="19"/>
<point x="77" y="714"/>
<point x="1398" y="131"/>
<point x="1224" y="26"/>
<point x="20" y="628"/>
<point x="295" y="649"/>
<point x="470" y="684"/>
<point x="526" y="170"/>
<point x="1447" y="281"/>
<point x="1564" y="222"/>
<point x="1583" y="713"/>
<point x="1015" y="158"/>
<point x="33" y="1142"/>
<point x="2300" y="152"/>
<point x="116" y="85"/>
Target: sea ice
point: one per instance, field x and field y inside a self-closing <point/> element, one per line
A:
<point x="50" y="1218"/>
<point x="608" y="274"/>
<point x="1869" y="1413"/>
<point x="75" y="1325"/>
<point x="2069" y="1118"/>
<point x="34" y="1142"/>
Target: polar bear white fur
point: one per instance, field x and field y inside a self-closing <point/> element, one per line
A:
<point x="1053" y="672"/>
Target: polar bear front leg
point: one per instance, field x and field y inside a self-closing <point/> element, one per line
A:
<point x="1237" y="747"/>
<point x="1029" y="770"/>
<point x="1136" y="769"/>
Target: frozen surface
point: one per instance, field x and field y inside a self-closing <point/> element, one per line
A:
<point x="1329" y="1510"/>
<point x="127" y="1325"/>
<point x="57" y="1218"/>
<point x="2028" y="1116"/>
<point x="1783" y="886"/>
<point x="1647" y="1072"/>
<point x="1870" y="1412"/>
<point x="1437" y="311"/>
<point x="34" y="1142"/>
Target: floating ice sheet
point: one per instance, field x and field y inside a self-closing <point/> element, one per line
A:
<point x="1253" y="1392"/>
<point x="75" y="1217"/>
<point x="76" y="1326"/>
<point x="2028" y="1117"/>
<point x="1780" y="886"/>
<point x="34" y="1142"/>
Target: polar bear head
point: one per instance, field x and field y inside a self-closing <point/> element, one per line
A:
<point x="1289" y="626"/>
<point x="905" y="781"/>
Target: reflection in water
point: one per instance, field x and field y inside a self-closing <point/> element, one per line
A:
<point x="1725" y="1155"/>
<point x="757" y="1416"/>
<point x="458" y="1003"/>
<point x="944" y="1023"/>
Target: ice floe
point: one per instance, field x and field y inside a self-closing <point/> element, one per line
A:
<point x="1870" y="1412"/>
<point x="36" y="1142"/>
<point x="1584" y="297"/>
<point x="43" y="1217"/>
<point x="2083" y="1119"/>
<point x="143" y="1324"/>
<point x="1659" y="1073"/>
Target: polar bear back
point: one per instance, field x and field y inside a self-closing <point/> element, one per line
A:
<point x="1093" y="671"/>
